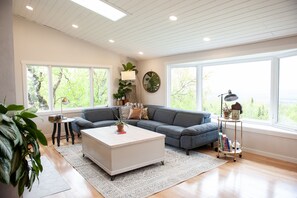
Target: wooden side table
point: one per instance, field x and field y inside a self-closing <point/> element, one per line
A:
<point x="67" y="122"/>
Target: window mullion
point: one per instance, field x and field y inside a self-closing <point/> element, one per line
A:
<point x="199" y="82"/>
<point x="50" y="88"/>
<point x="274" y="90"/>
<point x="91" y="74"/>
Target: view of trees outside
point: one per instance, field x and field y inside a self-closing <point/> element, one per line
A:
<point x="183" y="88"/>
<point x="288" y="91"/>
<point x="71" y="82"/>
<point x="100" y="87"/>
<point x="250" y="81"/>
<point x="37" y="87"/>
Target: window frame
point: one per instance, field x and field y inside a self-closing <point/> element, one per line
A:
<point x="274" y="57"/>
<point x="50" y="85"/>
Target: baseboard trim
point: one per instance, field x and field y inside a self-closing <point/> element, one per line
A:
<point x="271" y="155"/>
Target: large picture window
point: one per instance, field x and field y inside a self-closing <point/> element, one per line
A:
<point x="266" y="87"/>
<point x="83" y="86"/>
<point x="250" y="81"/>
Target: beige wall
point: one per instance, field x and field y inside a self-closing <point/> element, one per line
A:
<point x="7" y="82"/>
<point x="264" y="141"/>
<point x="39" y="44"/>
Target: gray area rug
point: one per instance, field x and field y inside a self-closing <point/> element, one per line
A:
<point x="50" y="182"/>
<point x="144" y="181"/>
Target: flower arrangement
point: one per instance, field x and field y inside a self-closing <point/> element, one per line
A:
<point x="227" y="111"/>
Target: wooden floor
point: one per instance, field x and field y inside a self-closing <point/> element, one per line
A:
<point x="252" y="176"/>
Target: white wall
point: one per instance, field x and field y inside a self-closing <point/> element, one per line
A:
<point x="40" y="44"/>
<point x="256" y="141"/>
<point x="7" y="82"/>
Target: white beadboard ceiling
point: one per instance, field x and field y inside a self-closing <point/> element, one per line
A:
<point x="147" y="28"/>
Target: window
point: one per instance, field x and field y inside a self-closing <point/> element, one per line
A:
<point x="250" y="81"/>
<point x="265" y="86"/>
<point x="100" y="87"/>
<point x="37" y="87"/>
<point x="183" y="88"/>
<point x="287" y="110"/>
<point x="74" y="83"/>
<point x="83" y="86"/>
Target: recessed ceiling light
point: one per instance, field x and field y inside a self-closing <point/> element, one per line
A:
<point x="101" y="8"/>
<point x="206" y="39"/>
<point x="111" y="41"/>
<point x="141" y="53"/>
<point x="173" y="18"/>
<point x="75" y="26"/>
<point x="29" y="7"/>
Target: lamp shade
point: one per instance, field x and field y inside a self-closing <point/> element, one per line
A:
<point x="128" y="75"/>
<point x="230" y="96"/>
<point x="65" y="101"/>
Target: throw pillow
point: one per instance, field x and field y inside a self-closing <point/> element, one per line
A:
<point x="144" y="114"/>
<point x="124" y="112"/>
<point x="135" y="114"/>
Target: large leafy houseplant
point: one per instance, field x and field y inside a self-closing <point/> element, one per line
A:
<point x="20" y="162"/>
<point x="124" y="85"/>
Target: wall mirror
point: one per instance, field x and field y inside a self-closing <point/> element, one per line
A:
<point x="151" y="82"/>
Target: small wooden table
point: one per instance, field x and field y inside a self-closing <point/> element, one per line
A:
<point x="67" y="122"/>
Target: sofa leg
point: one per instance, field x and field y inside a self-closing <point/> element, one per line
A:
<point x="211" y="144"/>
<point x="187" y="151"/>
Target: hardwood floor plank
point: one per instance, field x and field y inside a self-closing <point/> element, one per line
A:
<point x="251" y="176"/>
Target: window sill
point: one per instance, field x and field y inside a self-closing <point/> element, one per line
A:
<point x="265" y="130"/>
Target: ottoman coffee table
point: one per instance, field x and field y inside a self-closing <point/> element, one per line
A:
<point x="117" y="153"/>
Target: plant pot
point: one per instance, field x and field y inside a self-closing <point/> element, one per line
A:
<point x="226" y="115"/>
<point x="7" y="190"/>
<point x="120" y="127"/>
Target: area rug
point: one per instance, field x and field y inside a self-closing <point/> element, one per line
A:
<point x="144" y="181"/>
<point x="50" y="182"/>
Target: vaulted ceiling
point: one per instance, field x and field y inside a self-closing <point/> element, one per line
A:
<point x="147" y="27"/>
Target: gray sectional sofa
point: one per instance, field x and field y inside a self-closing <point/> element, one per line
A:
<point x="183" y="129"/>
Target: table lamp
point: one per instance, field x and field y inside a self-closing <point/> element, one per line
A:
<point x="64" y="101"/>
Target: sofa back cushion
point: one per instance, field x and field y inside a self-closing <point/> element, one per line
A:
<point x="164" y="115"/>
<point x="186" y="119"/>
<point x="151" y="109"/>
<point x="99" y="114"/>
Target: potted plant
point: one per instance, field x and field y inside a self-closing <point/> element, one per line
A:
<point x="227" y="111"/>
<point x="120" y="125"/>
<point x="19" y="148"/>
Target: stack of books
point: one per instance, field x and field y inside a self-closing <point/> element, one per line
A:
<point x="224" y="143"/>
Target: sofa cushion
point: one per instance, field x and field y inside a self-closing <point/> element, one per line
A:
<point x="164" y="115"/>
<point x="83" y="123"/>
<point x="200" y="129"/>
<point x="144" y="114"/>
<point x="187" y="119"/>
<point x="149" y="124"/>
<point x="151" y="109"/>
<point x="170" y="131"/>
<point x="104" y="123"/>
<point x="135" y="114"/>
<point x="131" y="122"/>
<point x="124" y="111"/>
<point x="98" y="114"/>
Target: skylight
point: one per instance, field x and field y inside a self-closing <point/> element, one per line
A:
<point x="101" y="8"/>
